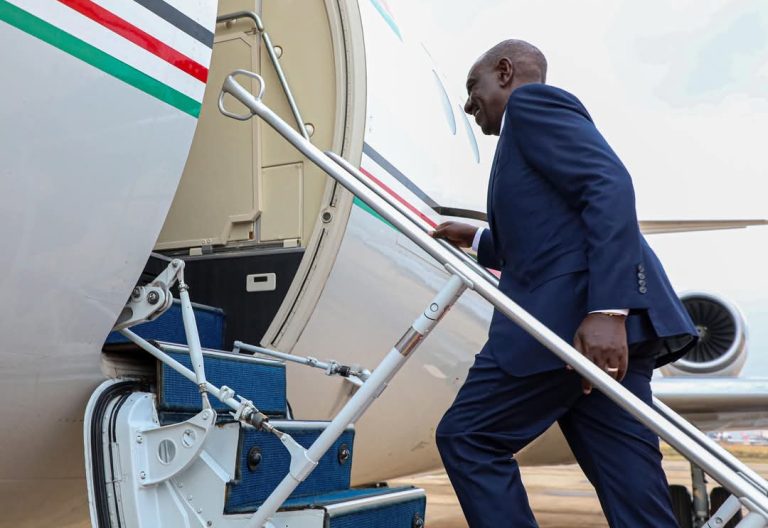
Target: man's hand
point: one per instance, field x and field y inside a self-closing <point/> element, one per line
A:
<point x="603" y="339"/>
<point x="458" y="234"/>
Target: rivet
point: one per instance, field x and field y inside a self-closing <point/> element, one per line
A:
<point x="139" y="439"/>
<point x="142" y="475"/>
<point x="434" y="307"/>
<point x="279" y="51"/>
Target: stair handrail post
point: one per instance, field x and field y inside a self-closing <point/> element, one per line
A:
<point x="304" y="462"/>
<point x="689" y="447"/>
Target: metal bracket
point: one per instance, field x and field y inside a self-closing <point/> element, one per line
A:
<point x="152" y="300"/>
<point x="164" y="452"/>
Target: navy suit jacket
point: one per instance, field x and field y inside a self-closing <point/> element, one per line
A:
<point x="564" y="233"/>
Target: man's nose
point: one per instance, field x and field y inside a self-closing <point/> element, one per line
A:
<point x="468" y="106"/>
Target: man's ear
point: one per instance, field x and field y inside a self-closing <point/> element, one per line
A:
<point x="505" y="72"/>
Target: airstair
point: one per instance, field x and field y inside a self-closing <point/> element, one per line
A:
<point x="212" y="442"/>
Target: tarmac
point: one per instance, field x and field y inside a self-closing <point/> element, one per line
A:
<point x="560" y="496"/>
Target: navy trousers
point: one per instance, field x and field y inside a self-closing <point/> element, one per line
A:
<point x="495" y="415"/>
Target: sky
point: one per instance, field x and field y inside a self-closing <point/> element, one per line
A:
<point x="680" y="91"/>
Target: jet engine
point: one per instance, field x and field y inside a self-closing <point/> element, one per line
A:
<point x="722" y="346"/>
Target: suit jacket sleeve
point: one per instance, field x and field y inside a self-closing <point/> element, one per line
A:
<point x="486" y="252"/>
<point x="558" y="139"/>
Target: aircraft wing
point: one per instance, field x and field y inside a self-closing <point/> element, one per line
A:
<point x="654" y="227"/>
<point x="649" y="227"/>
<point x="716" y="403"/>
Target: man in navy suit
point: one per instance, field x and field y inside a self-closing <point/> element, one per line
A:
<point x="563" y="231"/>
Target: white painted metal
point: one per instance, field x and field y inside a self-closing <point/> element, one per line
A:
<point x="335" y="510"/>
<point x="724" y="513"/>
<point x="90" y="167"/>
<point x="160" y="453"/>
<point x="62" y="16"/>
<point x="752" y="520"/>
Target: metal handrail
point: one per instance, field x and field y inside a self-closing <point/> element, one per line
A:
<point x="275" y="62"/>
<point x="748" y="493"/>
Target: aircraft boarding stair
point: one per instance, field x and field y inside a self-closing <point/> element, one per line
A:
<point x="236" y="469"/>
<point x="160" y="452"/>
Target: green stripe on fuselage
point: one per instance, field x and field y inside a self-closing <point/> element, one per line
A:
<point x="72" y="45"/>
<point x="367" y="208"/>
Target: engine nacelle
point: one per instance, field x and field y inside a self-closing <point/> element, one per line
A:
<point x="722" y="346"/>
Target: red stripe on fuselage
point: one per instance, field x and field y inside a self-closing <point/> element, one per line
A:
<point x="399" y="198"/>
<point x="141" y="38"/>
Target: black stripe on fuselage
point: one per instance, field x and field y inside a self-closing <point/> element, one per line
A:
<point x="399" y="176"/>
<point x="175" y="17"/>
<point x="415" y="189"/>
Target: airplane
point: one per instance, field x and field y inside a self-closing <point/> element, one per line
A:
<point x="116" y="154"/>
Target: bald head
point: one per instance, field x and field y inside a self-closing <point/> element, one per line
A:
<point x="496" y="74"/>
<point x="528" y="61"/>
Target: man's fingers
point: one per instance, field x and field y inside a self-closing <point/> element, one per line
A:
<point x="586" y="386"/>
<point x="623" y="365"/>
<point x="578" y="344"/>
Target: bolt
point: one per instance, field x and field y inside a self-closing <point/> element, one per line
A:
<point x="153" y="297"/>
<point x="279" y="51"/>
<point x="310" y="128"/>
<point x="189" y="498"/>
<point x="139" y="439"/>
<point x="434" y="307"/>
<point x="136" y="293"/>
<point x="199" y="510"/>
<point x="206" y="414"/>
<point x="142" y="475"/>
<point x="327" y="217"/>
<point x="344" y="454"/>
<point x="209" y="523"/>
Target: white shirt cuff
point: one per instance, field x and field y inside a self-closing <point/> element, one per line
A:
<point x="476" y="240"/>
<point x="617" y="311"/>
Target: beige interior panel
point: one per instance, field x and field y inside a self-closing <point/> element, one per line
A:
<point x="300" y="29"/>
<point x="223" y="197"/>
<point x="282" y="199"/>
<point x="217" y="200"/>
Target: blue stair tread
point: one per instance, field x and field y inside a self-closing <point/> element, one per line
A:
<point x="169" y="327"/>
<point x="407" y="512"/>
<point x="261" y="381"/>
<point x="326" y="499"/>
<point x="253" y="487"/>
